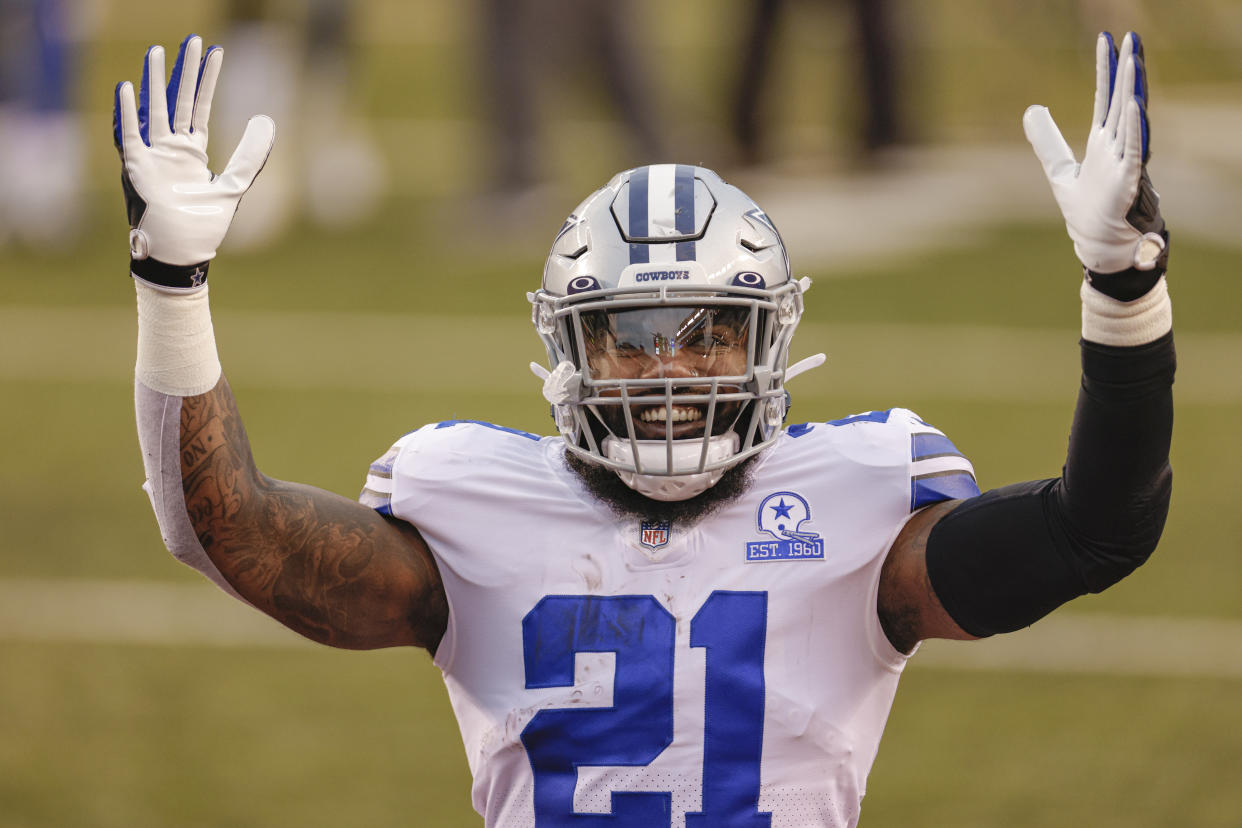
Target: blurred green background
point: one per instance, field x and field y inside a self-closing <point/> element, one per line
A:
<point x="132" y="694"/>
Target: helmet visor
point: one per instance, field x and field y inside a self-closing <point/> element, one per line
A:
<point x="667" y="342"/>
<point x="667" y="372"/>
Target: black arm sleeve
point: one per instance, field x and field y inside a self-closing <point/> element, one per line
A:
<point x="1004" y="559"/>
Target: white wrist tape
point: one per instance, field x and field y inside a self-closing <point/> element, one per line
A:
<point x="176" y="343"/>
<point x="1109" y="321"/>
<point x="159" y="435"/>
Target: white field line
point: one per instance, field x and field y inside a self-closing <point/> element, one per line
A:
<point x="133" y="612"/>
<point x="1101" y="644"/>
<point x="151" y="613"/>
<point x="299" y="350"/>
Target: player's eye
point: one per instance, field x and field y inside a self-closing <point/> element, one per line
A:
<point x="627" y="350"/>
<point x="722" y="340"/>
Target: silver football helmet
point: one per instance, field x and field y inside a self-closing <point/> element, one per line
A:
<point x="667" y="309"/>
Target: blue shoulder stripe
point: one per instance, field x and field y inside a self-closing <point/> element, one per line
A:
<point x="927" y="445"/>
<point x="926" y="489"/>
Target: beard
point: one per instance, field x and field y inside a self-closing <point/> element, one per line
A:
<point x="609" y="489"/>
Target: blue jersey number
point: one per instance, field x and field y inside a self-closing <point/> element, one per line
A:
<point x="731" y="626"/>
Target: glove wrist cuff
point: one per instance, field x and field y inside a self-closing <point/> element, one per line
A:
<point x="169" y="278"/>
<point x="1109" y="321"/>
<point x="1151" y="262"/>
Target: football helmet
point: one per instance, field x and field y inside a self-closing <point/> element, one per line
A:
<point x="667" y="308"/>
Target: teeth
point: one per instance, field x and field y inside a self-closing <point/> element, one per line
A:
<point x="680" y="415"/>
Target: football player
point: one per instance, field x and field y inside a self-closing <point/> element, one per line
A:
<point x="678" y="611"/>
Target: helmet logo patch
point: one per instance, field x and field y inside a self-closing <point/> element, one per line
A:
<point x="581" y="285"/>
<point x="653" y="534"/>
<point x="783" y="517"/>
<point x="750" y="279"/>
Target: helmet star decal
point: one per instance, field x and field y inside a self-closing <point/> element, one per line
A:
<point x="782" y="508"/>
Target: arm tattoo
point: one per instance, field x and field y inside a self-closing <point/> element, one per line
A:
<point x="325" y="566"/>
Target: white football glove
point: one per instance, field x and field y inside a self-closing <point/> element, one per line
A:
<point x="1111" y="211"/>
<point x="178" y="210"/>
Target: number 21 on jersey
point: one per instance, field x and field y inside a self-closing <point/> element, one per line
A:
<point x="730" y="626"/>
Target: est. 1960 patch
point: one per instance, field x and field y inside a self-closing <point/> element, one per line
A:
<point x="782" y="517"/>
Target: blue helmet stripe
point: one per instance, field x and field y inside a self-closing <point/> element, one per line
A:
<point x="639" y="253"/>
<point x="684" y="206"/>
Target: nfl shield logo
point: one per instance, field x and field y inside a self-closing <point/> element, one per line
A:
<point x="653" y="534"/>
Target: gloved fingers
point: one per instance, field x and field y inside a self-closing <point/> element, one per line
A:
<point x="1141" y="93"/>
<point x="152" y="103"/>
<point x="1135" y="138"/>
<point x="1123" y="86"/>
<point x="125" y="130"/>
<point x="1105" y="77"/>
<point x="250" y="156"/>
<point x="117" y="139"/>
<point x="208" y="72"/>
<point x="1140" y="74"/>
<point x="182" y="82"/>
<point x="1050" y="147"/>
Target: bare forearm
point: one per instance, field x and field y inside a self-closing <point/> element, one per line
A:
<point x="323" y="565"/>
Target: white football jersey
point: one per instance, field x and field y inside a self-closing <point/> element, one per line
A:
<point x="632" y="673"/>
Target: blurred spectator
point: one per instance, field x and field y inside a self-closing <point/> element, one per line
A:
<point x="326" y="166"/>
<point x="518" y="36"/>
<point x="41" y="147"/>
<point x="878" y="87"/>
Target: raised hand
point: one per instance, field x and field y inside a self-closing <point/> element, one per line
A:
<point x="1111" y="211"/>
<point x="179" y="211"/>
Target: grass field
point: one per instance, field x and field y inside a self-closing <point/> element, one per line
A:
<point x="338" y="342"/>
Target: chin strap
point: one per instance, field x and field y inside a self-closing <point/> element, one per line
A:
<point x="687" y="455"/>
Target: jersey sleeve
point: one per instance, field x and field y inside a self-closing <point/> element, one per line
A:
<point x="377" y="490"/>
<point x="938" y="470"/>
